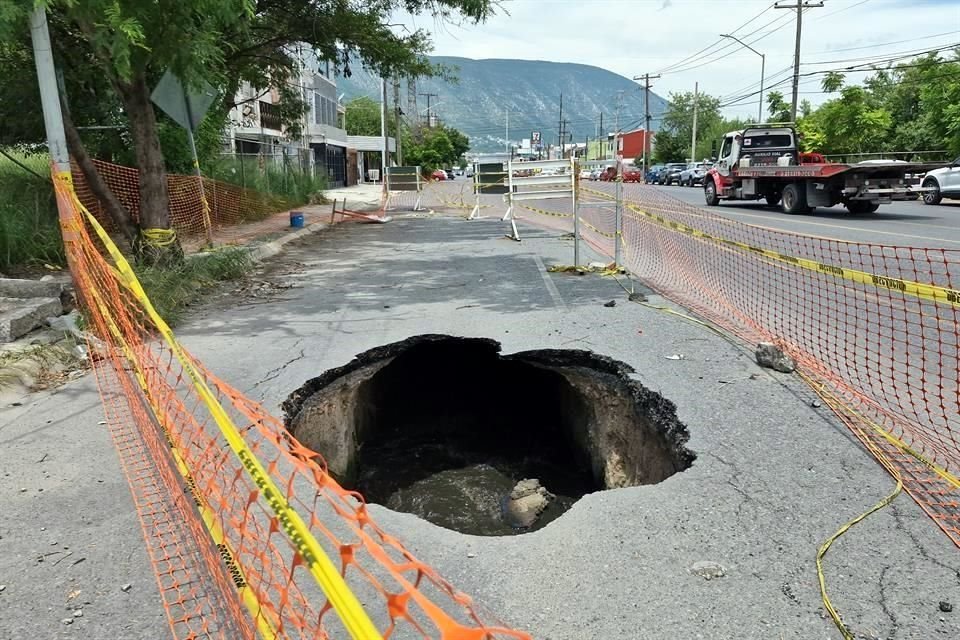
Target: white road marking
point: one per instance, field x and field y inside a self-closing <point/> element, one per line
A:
<point x="551" y="287"/>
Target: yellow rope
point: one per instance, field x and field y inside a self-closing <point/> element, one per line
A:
<point x="156" y="237"/>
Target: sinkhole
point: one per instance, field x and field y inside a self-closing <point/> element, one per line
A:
<point x="452" y="431"/>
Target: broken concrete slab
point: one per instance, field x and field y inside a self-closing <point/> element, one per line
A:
<point x="19" y="316"/>
<point x="20" y="288"/>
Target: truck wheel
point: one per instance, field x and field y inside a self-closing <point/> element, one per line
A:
<point x="773" y="200"/>
<point x="795" y="199"/>
<point x="710" y="193"/>
<point x="873" y="207"/>
<point x="932" y="197"/>
<point x="858" y="206"/>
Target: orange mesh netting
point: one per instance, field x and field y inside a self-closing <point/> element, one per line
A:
<point x="874" y="326"/>
<point x="226" y="204"/>
<point x="246" y="531"/>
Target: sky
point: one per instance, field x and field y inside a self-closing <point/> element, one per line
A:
<point x="633" y="37"/>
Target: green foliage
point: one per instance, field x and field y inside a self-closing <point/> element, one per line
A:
<point x="672" y="142"/>
<point x="914" y="106"/>
<point x="777" y="107"/>
<point x="173" y="289"/>
<point x="29" y="230"/>
<point x="434" y="148"/>
<point x="363" y="116"/>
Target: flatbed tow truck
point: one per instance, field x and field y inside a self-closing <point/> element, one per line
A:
<point x="763" y="162"/>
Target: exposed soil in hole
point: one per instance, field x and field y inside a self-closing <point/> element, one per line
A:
<point x="446" y="428"/>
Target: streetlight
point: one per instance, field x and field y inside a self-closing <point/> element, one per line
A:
<point x="763" y="65"/>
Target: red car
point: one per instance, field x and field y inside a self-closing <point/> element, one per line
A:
<point x="629" y="175"/>
<point x="439" y="174"/>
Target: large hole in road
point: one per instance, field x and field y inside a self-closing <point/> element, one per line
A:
<point x="449" y="429"/>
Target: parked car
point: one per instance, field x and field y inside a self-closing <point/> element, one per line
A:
<point x="439" y="174"/>
<point x="632" y="175"/>
<point x="595" y="174"/>
<point x="653" y="173"/>
<point x="694" y="173"/>
<point x="469" y="172"/>
<point x="585" y="174"/>
<point x="944" y="183"/>
<point x="671" y="173"/>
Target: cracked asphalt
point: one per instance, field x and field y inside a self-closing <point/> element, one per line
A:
<point x="774" y="476"/>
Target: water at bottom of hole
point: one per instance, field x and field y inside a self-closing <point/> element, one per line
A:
<point x="462" y="487"/>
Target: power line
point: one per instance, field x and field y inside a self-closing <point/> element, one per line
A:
<point x="886" y="44"/>
<point x="710" y="46"/>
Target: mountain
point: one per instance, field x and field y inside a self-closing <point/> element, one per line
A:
<point x="529" y="89"/>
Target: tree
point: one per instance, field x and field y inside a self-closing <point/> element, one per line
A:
<point x="224" y="42"/>
<point x="674" y="138"/>
<point x="363" y="116"/>
<point x="777" y="107"/>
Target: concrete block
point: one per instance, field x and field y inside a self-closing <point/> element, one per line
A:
<point x="17" y="288"/>
<point x="20" y="316"/>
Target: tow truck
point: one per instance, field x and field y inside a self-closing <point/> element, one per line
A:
<point x="763" y="162"/>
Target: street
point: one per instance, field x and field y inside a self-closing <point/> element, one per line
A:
<point x="900" y="223"/>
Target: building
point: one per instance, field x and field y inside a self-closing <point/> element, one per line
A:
<point x="368" y="164"/>
<point x="633" y="143"/>
<point x="256" y="127"/>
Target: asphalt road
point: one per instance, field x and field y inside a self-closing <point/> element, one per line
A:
<point x="901" y="223"/>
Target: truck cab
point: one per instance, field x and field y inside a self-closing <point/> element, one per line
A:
<point x="758" y="147"/>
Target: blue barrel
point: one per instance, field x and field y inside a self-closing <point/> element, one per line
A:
<point x="296" y="219"/>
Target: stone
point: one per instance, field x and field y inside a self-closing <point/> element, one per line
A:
<point x="816" y="404"/>
<point x="78" y="613"/>
<point x="526" y="502"/>
<point x="67" y="621"/>
<point x="771" y="356"/>
<point x="945" y="606"/>
<point x="637" y="297"/>
<point x="125" y="587"/>
<point x="19" y="317"/>
<point x="17" y="288"/>
<point x="708" y="570"/>
<point x="612" y="303"/>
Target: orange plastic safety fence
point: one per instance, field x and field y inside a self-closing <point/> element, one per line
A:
<point x="226" y="204"/>
<point x="877" y="325"/>
<point x="238" y="516"/>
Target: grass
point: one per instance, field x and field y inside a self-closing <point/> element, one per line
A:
<point x="29" y="231"/>
<point x="173" y="289"/>
<point x="286" y="180"/>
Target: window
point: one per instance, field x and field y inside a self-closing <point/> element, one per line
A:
<point x="768" y="142"/>
<point x="269" y="116"/>
<point x="726" y="147"/>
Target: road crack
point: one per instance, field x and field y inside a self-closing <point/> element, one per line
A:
<point x="274" y="373"/>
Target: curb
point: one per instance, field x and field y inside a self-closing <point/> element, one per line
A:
<point x="269" y="249"/>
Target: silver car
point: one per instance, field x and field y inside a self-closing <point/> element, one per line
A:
<point x="694" y="173"/>
<point x="942" y="183"/>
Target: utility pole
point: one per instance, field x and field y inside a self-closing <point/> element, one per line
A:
<point x="560" y="128"/>
<point x="693" y="142"/>
<point x="52" y="118"/>
<point x="412" y="102"/>
<point x="396" y="115"/>
<point x="385" y="160"/>
<point x="800" y="6"/>
<point x="507" y="135"/>
<point x="603" y="138"/>
<point x="646" y="119"/>
<point x="429" y="118"/>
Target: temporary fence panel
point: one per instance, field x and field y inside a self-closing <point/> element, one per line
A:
<point x="538" y="180"/>
<point x="248" y="533"/>
<point x="403" y="179"/>
<point x="489" y="178"/>
<point x="599" y="217"/>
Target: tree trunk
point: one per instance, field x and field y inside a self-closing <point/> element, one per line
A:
<point x="154" y="198"/>
<point x="117" y="212"/>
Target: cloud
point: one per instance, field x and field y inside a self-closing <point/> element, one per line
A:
<point x="633" y="37"/>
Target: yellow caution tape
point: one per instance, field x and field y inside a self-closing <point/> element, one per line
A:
<point x="343" y="601"/>
<point x="157" y="237"/>
<point x="544" y="212"/>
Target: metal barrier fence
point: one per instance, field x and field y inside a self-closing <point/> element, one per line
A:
<point x="248" y="534"/>
<point x="403" y="181"/>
